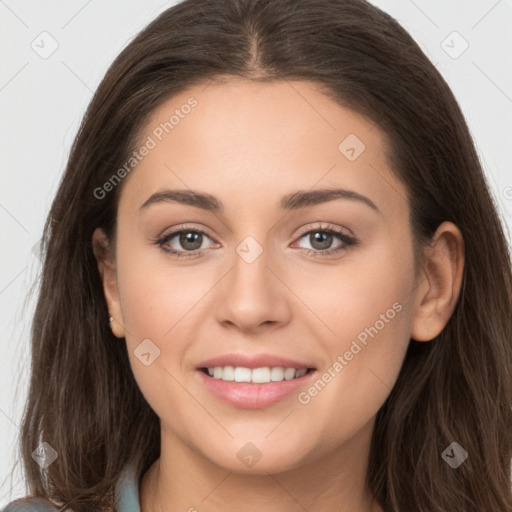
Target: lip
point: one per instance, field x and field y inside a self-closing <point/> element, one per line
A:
<point x="253" y="361"/>
<point x="246" y="395"/>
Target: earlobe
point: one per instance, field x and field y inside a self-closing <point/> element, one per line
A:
<point x="440" y="282"/>
<point x="107" y="270"/>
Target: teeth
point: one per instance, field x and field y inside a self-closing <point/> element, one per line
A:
<point x="255" y="375"/>
<point x="241" y="374"/>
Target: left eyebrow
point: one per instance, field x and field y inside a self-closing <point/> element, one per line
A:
<point x="304" y="199"/>
<point x="293" y="201"/>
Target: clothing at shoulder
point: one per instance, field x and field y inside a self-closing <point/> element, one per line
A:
<point x="31" y="505"/>
<point x="127" y="497"/>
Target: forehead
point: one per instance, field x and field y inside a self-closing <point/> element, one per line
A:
<point x="251" y="112"/>
<point x="239" y="138"/>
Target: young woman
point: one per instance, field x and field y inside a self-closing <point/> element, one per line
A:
<point x="274" y="277"/>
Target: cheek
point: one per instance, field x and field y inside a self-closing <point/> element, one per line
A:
<point x="373" y="320"/>
<point x="160" y="303"/>
<point x="156" y="304"/>
<point x="365" y="313"/>
<point x="351" y="296"/>
<point x="155" y="292"/>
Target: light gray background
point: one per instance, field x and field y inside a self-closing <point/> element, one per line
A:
<point x="42" y="101"/>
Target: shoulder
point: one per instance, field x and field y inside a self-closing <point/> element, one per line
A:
<point x="127" y="497"/>
<point x="31" y="505"/>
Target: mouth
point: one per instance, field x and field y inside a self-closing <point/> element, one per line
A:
<point x="261" y="375"/>
<point x="254" y="388"/>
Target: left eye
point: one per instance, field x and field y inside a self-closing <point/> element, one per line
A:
<point x="323" y="237"/>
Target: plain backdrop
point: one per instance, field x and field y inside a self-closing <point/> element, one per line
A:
<point x="43" y="97"/>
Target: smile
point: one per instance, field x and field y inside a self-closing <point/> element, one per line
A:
<point x="261" y="375"/>
<point x="255" y="388"/>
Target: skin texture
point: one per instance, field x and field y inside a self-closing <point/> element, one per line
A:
<point x="249" y="144"/>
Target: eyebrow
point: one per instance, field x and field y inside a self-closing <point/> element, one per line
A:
<point x="294" y="201"/>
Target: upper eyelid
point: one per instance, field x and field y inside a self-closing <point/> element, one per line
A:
<point x="324" y="226"/>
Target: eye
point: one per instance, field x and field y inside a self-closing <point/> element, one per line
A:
<point x="190" y="240"/>
<point x="321" y="239"/>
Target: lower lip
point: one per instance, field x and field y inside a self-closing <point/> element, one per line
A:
<point x="247" y="395"/>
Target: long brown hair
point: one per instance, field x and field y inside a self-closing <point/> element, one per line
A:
<point x="83" y="399"/>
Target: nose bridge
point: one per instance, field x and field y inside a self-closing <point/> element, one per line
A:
<point x="251" y="294"/>
<point x="250" y="274"/>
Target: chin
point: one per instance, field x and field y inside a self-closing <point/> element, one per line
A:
<point x="248" y="459"/>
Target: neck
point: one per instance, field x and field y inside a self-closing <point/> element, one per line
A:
<point x="183" y="480"/>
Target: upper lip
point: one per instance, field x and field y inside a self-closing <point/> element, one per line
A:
<point x="253" y="361"/>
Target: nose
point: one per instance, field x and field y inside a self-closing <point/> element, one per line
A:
<point x="253" y="296"/>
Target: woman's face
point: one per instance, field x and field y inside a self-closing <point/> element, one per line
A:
<point x="263" y="275"/>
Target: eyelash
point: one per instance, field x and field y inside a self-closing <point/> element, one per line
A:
<point x="347" y="241"/>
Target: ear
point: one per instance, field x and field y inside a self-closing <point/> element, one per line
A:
<point x="440" y="282"/>
<point x="107" y="268"/>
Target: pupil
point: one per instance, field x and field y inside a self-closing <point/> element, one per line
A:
<point x="190" y="237"/>
<point x="323" y="238"/>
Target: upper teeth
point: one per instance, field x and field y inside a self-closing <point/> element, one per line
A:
<point x="256" y="375"/>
